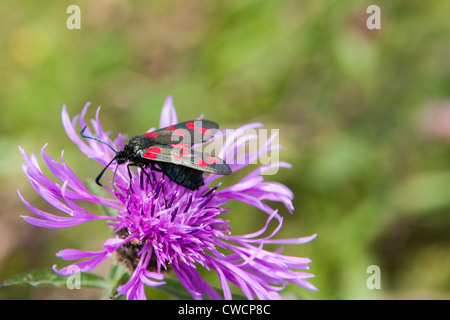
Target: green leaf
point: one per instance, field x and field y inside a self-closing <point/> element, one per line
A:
<point x="118" y="275"/>
<point x="48" y="277"/>
<point x="174" y="288"/>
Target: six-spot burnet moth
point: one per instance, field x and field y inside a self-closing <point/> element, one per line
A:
<point x="169" y="150"/>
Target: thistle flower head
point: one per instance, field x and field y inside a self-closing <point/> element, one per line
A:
<point x="159" y="225"/>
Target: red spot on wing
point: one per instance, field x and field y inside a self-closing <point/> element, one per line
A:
<point x="151" y="134"/>
<point x="170" y="127"/>
<point x="151" y="153"/>
<point x="201" y="163"/>
<point x="154" y="150"/>
<point x="191" y="125"/>
<point x="204" y="130"/>
<point x="211" y="160"/>
<point x="183" y="153"/>
<point x="181" y="146"/>
<point x="179" y="132"/>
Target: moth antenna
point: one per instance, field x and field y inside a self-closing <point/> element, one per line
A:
<point x="97" y="180"/>
<point x="94" y="138"/>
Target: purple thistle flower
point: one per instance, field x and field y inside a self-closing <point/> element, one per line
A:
<point x="162" y="226"/>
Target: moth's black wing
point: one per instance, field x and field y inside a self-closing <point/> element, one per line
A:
<point x="186" y="133"/>
<point x="182" y="155"/>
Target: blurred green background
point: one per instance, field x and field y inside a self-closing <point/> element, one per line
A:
<point x="363" y="117"/>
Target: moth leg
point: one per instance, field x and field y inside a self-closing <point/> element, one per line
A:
<point x="155" y="168"/>
<point x="114" y="177"/>
<point x="130" y="177"/>
<point x="142" y="167"/>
